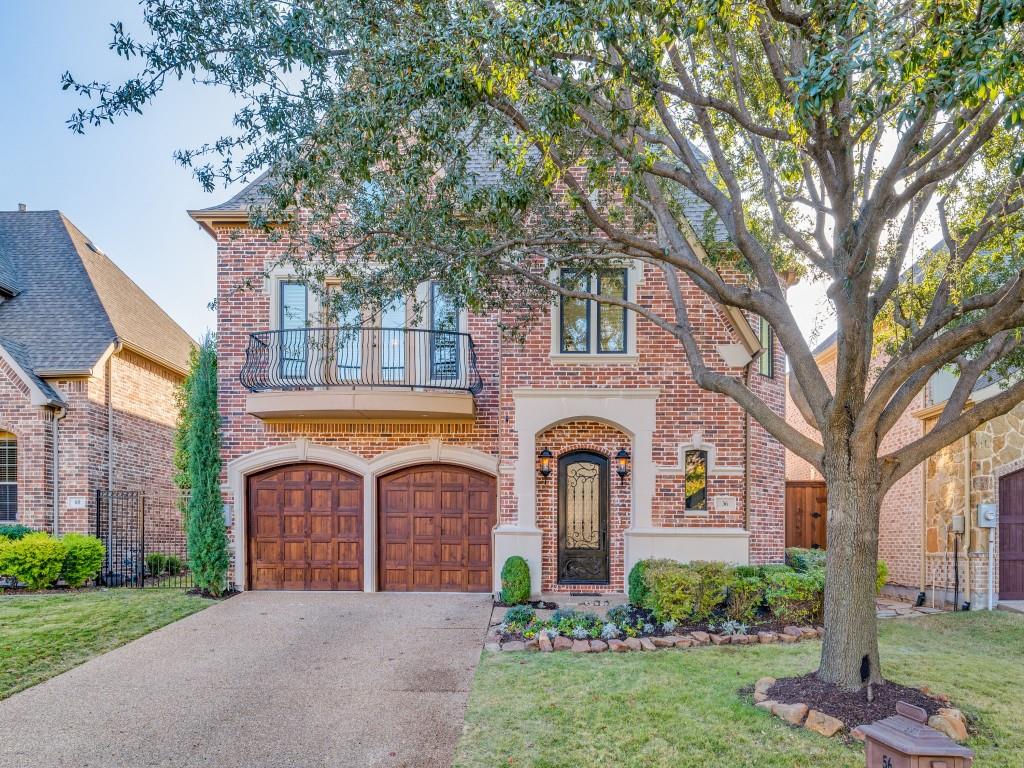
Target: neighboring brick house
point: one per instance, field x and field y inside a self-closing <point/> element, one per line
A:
<point x="89" y="365"/>
<point x="917" y="535"/>
<point x="420" y="453"/>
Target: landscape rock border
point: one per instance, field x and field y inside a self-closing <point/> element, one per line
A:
<point x="949" y="720"/>
<point x="546" y="644"/>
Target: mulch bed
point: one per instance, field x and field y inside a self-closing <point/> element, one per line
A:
<point x="853" y="708"/>
<point x="222" y="596"/>
<point x="537" y="605"/>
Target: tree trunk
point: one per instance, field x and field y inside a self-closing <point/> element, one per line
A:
<point x="849" y="656"/>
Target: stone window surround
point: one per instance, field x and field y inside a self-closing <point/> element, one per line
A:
<point x="302" y="450"/>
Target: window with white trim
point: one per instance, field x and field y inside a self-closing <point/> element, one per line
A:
<point x="586" y="326"/>
<point x="8" y="477"/>
<point x="292" y="324"/>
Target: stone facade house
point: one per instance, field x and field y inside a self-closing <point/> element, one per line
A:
<point x="936" y="539"/>
<point x="401" y="452"/>
<point x="88" y="370"/>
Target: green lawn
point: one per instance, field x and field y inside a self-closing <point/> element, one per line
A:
<point x="44" y="635"/>
<point x="681" y="708"/>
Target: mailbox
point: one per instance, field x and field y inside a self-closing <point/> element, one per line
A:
<point x="905" y="741"/>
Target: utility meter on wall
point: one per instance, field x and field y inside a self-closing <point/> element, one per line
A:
<point x="988" y="515"/>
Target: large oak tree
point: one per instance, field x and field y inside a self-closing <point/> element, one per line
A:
<point x="823" y="138"/>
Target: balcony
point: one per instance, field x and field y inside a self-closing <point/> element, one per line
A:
<point x="360" y="373"/>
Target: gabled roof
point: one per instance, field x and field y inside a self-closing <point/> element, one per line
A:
<point x="19" y="360"/>
<point x="74" y="303"/>
<point x="8" y="277"/>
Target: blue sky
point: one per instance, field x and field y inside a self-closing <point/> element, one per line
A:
<point x="119" y="183"/>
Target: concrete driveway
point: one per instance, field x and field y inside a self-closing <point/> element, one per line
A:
<point x="281" y="679"/>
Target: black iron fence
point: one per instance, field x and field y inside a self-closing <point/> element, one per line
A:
<point x="144" y="535"/>
<point x="302" y="358"/>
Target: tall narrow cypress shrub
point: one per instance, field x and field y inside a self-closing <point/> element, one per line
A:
<point x="182" y="395"/>
<point x="207" y="541"/>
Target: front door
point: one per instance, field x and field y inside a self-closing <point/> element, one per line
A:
<point x="583" y="552"/>
<point x="1011" y="536"/>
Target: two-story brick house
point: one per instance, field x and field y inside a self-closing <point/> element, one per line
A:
<point x="89" y="365"/>
<point x="393" y="452"/>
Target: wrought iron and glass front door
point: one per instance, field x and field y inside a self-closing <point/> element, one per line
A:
<point x="583" y="518"/>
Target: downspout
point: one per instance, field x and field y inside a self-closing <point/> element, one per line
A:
<point x="746" y="457"/>
<point x="922" y="592"/>
<point x="967" y="521"/>
<point x="110" y="417"/>
<point x="58" y="414"/>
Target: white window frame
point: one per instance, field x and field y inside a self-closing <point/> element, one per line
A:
<point x="634" y="277"/>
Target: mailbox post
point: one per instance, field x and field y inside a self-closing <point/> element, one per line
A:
<point x="905" y="741"/>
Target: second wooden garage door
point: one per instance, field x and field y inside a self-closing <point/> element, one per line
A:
<point x="435" y="530"/>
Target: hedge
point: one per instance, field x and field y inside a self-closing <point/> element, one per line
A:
<point x="83" y="560"/>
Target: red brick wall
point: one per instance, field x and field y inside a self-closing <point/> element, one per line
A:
<point x="142" y="396"/>
<point x="902" y="513"/>
<point x="31" y="426"/>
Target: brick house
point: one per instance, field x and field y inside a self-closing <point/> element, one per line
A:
<point x="394" y="452"/>
<point x="88" y="370"/>
<point x="921" y="537"/>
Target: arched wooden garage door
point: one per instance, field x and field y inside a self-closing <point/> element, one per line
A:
<point x="305" y="528"/>
<point x="435" y="526"/>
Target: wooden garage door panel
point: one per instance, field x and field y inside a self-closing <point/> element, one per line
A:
<point x="435" y="527"/>
<point x="1011" y="536"/>
<point x="305" y="529"/>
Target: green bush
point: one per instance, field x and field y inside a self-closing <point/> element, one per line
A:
<point x="796" y="598"/>
<point x="84" y="558"/>
<point x="174" y="565"/>
<point x="746" y="594"/>
<point x="882" y="575"/>
<point x="14" y="531"/>
<point x="766" y="570"/>
<point x="34" y="560"/>
<point x="673" y="590"/>
<point x="714" y="586"/>
<point x="520" y="614"/>
<point x="515" y="581"/>
<point x="156" y="563"/>
<point x="805" y="560"/>
<point x="637" y="583"/>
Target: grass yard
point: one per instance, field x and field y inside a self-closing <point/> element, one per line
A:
<point x="669" y="708"/>
<point x="44" y="635"/>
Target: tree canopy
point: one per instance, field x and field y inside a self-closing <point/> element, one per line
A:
<point x="730" y="145"/>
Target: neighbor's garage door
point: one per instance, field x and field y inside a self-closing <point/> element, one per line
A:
<point x="305" y="528"/>
<point x="435" y="530"/>
<point x="1011" y="536"/>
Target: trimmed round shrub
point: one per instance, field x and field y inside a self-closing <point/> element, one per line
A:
<point x="714" y="587"/>
<point x="83" y="560"/>
<point x="174" y="565"/>
<point x="796" y="598"/>
<point x="34" y="560"/>
<point x="14" y="531"/>
<point x="746" y="594"/>
<point x="673" y="591"/>
<point x="515" y="581"/>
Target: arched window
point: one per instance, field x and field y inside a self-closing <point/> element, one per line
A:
<point x="8" y="477"/>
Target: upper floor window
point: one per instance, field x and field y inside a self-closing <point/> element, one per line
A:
<point x="586" y="326"/>
<point x="444" y="340"/>
<point x="766" y="362"/>
<point x="8" y="477"/>
<point x="696" y="468"/>
<point x="293" y="313"/>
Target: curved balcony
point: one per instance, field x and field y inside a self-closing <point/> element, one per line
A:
<point x="360" y="372"/>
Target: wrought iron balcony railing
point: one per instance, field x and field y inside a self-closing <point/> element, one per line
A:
<point x="306" y="358"/>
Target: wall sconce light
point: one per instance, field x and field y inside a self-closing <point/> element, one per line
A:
<point x="544" y="462"/>
<point x="622" y="463"/>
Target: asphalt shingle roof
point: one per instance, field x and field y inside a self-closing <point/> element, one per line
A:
<point x="74" y="302"/>
<point x="24" y="360"/>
